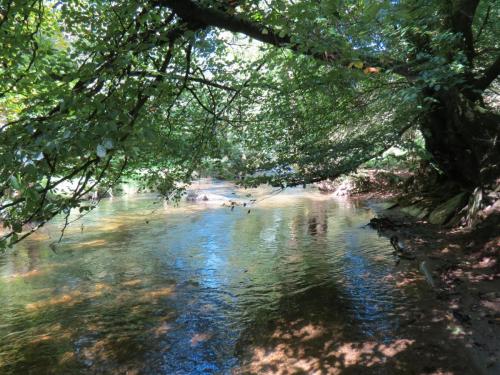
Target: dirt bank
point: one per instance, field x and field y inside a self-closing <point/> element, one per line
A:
<point x="465" y="267"/>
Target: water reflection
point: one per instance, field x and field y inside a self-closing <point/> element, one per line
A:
<point x="147" y="288"/>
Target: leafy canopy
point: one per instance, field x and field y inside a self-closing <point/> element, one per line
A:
<point x="94" y="91"/>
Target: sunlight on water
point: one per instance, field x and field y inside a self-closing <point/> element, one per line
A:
<point x="139" y="286"/>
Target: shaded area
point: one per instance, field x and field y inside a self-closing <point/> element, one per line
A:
<point x="319" y="337"/>
<point x="146" y="288"/>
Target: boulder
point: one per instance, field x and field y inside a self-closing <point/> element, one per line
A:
<point x="416" y="211"/>
<point x="444" y="212"/>
<point x="191" y="196"/>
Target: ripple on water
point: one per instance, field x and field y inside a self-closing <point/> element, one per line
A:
<point x="148" y="288"/>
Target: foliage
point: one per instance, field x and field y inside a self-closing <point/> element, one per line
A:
<point x="95" y="91"/>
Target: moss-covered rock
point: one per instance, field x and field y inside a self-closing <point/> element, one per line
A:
<point x="416" y="210"/>
<point x="444" y="212"/>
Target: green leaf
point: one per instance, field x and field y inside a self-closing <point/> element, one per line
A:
<point x="14" y="183"/>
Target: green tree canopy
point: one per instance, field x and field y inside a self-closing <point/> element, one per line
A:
<point x="92" y="91"/>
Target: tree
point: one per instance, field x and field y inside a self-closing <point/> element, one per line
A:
<point x="94" y="90"/>
<point x="444" y="49"/>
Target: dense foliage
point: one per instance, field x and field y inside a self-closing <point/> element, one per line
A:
<point x="288" y="92"/>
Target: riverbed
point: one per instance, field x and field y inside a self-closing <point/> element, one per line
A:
<point x="276" y="282"/>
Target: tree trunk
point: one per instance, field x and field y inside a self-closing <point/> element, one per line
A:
<point x="464" y="140"/>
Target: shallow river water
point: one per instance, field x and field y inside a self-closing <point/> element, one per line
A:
<point x="142" y="287"/>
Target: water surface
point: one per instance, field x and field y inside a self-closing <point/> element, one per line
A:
<point x="139" y="286"/>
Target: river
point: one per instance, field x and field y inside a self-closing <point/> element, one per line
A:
<point x="292" y="280"/>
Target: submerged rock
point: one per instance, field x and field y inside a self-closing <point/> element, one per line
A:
<point x="191" y="196"/>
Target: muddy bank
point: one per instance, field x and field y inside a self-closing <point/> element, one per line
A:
<point x="464" y="265"/>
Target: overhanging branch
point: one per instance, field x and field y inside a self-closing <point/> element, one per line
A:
<point x="201" y="17"/>
<point x="489" y="75"/>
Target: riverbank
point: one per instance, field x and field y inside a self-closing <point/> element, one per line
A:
<point x="458" y="247"/>
<point x="465" y="267"/>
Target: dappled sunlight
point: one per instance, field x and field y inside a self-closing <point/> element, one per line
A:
<point x="104" y="226"/>
<point x="320" y="347"/>
<point x="493" y="306"/>
<point x="99" y="290"/>
<point x="100" y="350"/>
<point x="368" y="353"/>
<point x="35" y="272"/>
<point x="485" y="262"/>
<point x="69" y="299"/>
<point x="403" y="279"/>
<point x="332" y="358"/>
<point x="53" y="332"/>
<point x="39" y="270"/>
<point x="200" y="337"/>
<point x="88" y="244"/>
<point x="40" y="338"/>
<point x="321" y="296"/>
<point x="162" y="329"/>
<point x="134" y="282"/>
<point x="157" y="293"/>
<point x="67" y="358"/>
<point x="307" y="332"/>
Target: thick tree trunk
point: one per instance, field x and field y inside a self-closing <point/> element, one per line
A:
<point x="464" y="140"/>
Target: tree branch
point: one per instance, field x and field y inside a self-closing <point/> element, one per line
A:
<point x="489" y="75"/>
<point x="201" y="17"/>
<point x="462" y="17"/>
<point x="485" y="21"/>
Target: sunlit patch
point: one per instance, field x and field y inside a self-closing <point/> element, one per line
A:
<point x="94" y="327"/>
<point x="486" y="262"/>
<point x="97" y="351"/>
<point x="305" y="333"/>
<point x="87" y="244"/>
<point x="456" y="330"/>
<point x="162" y="329"/>
<point x="99" y="290"/>
<point x="102" y="287"/>
<point x="492" y="305"/>
<point x="287" y="358"/>
<point x="66" y="358"/>
<point x="27" y="274"/>
<point x="369" y="353"/>
<point x="105" y="349"/>
<point x="107" y="226"/>
<point x="200" y="337"/>
<point x="40" y="338"/>
<point x="65" y="299"/>
<point x="52" y="332"/>
<point x="133" y="282"/>
<point x="389" y="278"/>
<point x="124" y="297"/>
<point x="158" y="293"/>
<point x="407" y="278"/>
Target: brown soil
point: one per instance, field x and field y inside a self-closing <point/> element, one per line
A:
<point x="465" y="266"/>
